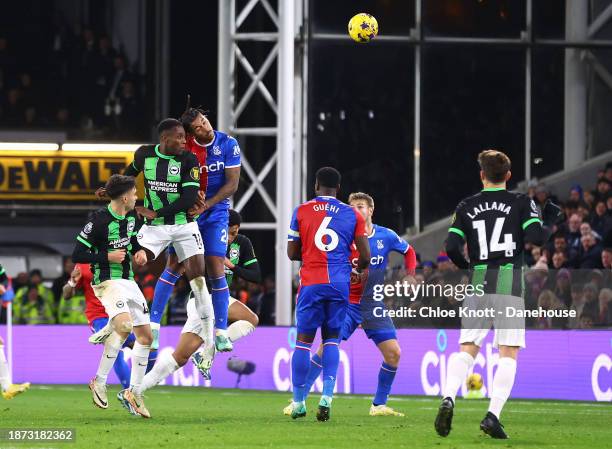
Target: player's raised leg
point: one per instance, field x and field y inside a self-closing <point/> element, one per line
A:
<point x="244" y="320"/>
<point x="215" y="267"/>
<point x="9" y="390"/>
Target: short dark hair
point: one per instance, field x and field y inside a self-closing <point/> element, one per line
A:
<point x="189" y="116"/>
<point x="328" y="177"/>
<point x="234" y="218"/>
<point x="495" y="165"/>
<point x="167" y="124"/>
<point x="118" y="185"/>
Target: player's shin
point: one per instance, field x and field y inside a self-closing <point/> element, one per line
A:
<point x="316" y="365"/>
<point x="299" y="369"/>
<point x="220" y="300"/>
<point x="457" y="371"/>
<point x="330" y="359"/>
<point x="140" y="358"/>
<point x="386" y="375"/>
<point x="239" y="329"/>
<point x="163" y="291"/>
<point x="5" y="380"/>
<point x="165" y="366"/>
<point x="203" y="303"/>
<point x="112" y="346"/>
<point x="503" y="382"/>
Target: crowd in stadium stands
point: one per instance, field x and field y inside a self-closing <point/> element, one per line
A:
<point x="75" y="82"/>
<point x="572" y="272"/>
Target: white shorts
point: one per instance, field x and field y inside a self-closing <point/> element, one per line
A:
<point x="193" y="323"/>
<point x="123" y="296"/>
<point x="185" y="238"/>
<point x="508" y="331"/>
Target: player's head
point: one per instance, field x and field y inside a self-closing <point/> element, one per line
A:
<point x="171" y="136"/>
<point x="234" y="225"/>
<point x="195" y="122"/>
<point x="327" y="181"/>
<point x="122" y="189"/>
<point x="494" y="167"/>
<point x="364" y="203"/>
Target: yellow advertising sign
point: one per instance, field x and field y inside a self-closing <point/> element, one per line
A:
<point x="58" y="175"/>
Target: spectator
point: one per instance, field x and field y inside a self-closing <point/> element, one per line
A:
<point x="21" y="280"/>
<point x="59" y="282"/>
<point x="606" y="258"/>
<point x="33" y="308"/>
<point x="602" y="189"/>
<point x="72" y="310"/>
<point x="563" y="285"/>
<point x="591" y="300"/>
<point x="177" y="305"/>
<point x="573" y="234"/>
<point x="600" y="220"/>
<point x="559" y="260"/>
<point x="575" y="193"/>
<point x="266" y="303"/>
<point x="586" y="321"/>
<point x="602" y="318"/>
<point x="35" y="281"/>
<point x="585" y="228"/>
<point x="589" y="254"/>
<point x="548" y="301"/>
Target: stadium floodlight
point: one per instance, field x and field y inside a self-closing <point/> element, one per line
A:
<point x="28" y="146"/>
<point x="101" y="147"/>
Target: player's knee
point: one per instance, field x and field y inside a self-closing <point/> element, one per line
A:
<point x="392" y="355"/>
<point x="124" y="327"/>
<point x="330" y="333"/>
<point x="253" y="319"/>
<point x="306" y="338"/>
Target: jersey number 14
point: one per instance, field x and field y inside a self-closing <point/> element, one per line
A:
<point x="508" y="245"/>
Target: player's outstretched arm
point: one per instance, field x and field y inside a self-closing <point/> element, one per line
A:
<point x="363" y="248"/>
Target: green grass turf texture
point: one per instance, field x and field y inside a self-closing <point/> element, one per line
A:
<point x="190" y="417"/>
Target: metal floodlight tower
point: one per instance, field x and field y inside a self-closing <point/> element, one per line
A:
<point x="288" y="107"/>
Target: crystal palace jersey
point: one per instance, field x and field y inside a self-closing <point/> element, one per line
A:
<point x="326" y="228"/>
<point x="200" y="153"/>
<point x="93" y="307"/>
<point x="492" y="222"/>
<point x="382" y="241"/>
<point x="222" y="153"/>
<point x="165" y="177"/>
<point x="105" y="232"/>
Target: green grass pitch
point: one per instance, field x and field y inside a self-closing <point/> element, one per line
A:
<point x="185" y="417"/>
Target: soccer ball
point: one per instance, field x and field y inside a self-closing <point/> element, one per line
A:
<point x="363" y="27"/>
<point x="474" y="382"/>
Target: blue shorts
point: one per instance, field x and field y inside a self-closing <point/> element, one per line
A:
<point x="377" y="330"/>
<point x="321" y="306"/>
<point x="213" y="226"/>
<point x="99" y="323"/>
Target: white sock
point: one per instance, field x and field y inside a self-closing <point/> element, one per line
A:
<point x="456" y="374"/>
<point x="239" y="329"/>
<point x="154" y="325"/>
<point x="502" y="384"/>
<point x="5" y="378"/>
<point x="203" y="303"/>
<point x="221" y="332"/>
<point x="165" y="366"/>
<point x="112" y="346"/>
<point x="140" y="358"/>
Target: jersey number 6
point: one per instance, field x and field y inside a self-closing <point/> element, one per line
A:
<point x="332" y="237"/>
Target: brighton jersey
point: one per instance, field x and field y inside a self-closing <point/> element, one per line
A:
<point x="222" y="153"/>
<point x="106" y="232"/>
<point x="382" y="242"/>
<point x="493" y="222"/>
<point x="165" y="177"/>
<point x="326" y="228"/>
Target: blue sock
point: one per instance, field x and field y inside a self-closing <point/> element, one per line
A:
<point x="385" y="380"/>
<point x="220" y="300"/>
<point x="331" y="358"/>
<point x="152" y="359"/>
<point x="163" y="290"/>
<point x="299" y="369"/>
<point x="122" y="370"/>
<point x="316" y="365"/>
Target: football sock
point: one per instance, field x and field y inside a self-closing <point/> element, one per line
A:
<point x="5" y="380"/>
<point x="204" y="307"/>
<point x="112" y="346"/>
<point x="299" y="369"/>
<point x="457" y="371"/>
<point x="152" y="359"/>
<point x="220" y="300"/>
<point x="165" y="366"/>
<point x="386" y="375"/>
<point x="330" y="359"/>
<point x="122" y="370"/>
<point x="239" y="329"/>
<point x="140" y="358"/>
<point x="316" y="366"/>
<point x="163" y="290"/>
<point x="502" y="384"/>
